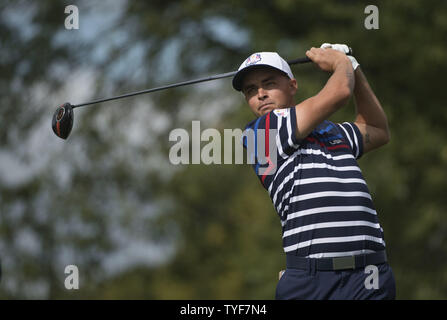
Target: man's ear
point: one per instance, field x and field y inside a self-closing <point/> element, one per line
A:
<point x="293" y="86"/>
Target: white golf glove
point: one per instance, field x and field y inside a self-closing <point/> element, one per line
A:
<point x="342" y="48"/>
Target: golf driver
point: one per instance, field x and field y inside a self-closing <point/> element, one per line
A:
<point x="62" y="121"/>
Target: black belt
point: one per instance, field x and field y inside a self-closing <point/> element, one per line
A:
<point x="336" y="263"/>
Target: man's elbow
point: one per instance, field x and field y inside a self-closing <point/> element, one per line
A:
<point x="385" y="136"/>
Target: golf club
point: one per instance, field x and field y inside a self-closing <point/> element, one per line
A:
<point x="62" y="121"/>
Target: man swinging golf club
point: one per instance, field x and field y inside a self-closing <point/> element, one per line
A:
<point x="333" y="241"/>
<point x="332" y="238"/>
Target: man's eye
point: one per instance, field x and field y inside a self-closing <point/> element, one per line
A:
<point x="250" y="91"/>
<point x="270" y="83"/>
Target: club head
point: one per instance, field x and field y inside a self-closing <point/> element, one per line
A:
<point x="63" y="120"/>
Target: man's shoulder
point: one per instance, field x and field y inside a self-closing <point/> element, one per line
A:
<point x="251" y="124"/>
<point x="256" y="123"/>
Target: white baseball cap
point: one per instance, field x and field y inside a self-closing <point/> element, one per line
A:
<point x="270" y="59"/>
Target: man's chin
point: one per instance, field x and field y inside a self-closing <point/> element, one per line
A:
<point x="267" y="110"/>
<point x="264" y="112"/>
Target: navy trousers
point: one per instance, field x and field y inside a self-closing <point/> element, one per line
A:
<point x="296" y="284"/>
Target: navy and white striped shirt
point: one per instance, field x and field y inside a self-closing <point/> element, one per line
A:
<point x="317" y="187"/>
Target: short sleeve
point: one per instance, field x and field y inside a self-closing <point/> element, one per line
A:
<point x="352" y="133"/>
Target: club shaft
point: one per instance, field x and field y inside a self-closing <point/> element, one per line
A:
<point x="174" y="85"/>
<point x="179" y="84"/>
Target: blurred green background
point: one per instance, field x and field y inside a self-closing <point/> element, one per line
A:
<point x="109" y="201"/>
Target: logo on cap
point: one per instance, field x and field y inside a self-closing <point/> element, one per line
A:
<point x="253" y="59"/>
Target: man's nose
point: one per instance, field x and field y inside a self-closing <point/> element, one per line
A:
<point x="262" y="94"/>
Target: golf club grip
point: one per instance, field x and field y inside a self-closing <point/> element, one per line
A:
<point x="299" y="60"/>
<point x="306" y="59"/>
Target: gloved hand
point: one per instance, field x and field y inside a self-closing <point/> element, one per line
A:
<point x="343" y="48"/>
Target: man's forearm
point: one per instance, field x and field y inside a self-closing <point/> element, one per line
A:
<point x="332" y="97"/>
<point x="343" y="76"/>
<point x="339" y="86"/>
<point x="368" y="108"/>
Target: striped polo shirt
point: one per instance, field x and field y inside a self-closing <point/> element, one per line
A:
<point x="316" y="186"/>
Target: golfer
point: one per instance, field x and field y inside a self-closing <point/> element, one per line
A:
<point x="332" y="238"/>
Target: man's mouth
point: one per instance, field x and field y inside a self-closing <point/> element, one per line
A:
<point x="264" y="106"/>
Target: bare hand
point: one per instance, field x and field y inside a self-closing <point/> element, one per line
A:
<point x="326" y="59"/>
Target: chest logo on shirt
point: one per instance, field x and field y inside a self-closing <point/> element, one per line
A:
<point x="281" y="112"/>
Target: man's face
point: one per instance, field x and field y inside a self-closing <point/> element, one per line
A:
<point x="267" y="89"/>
